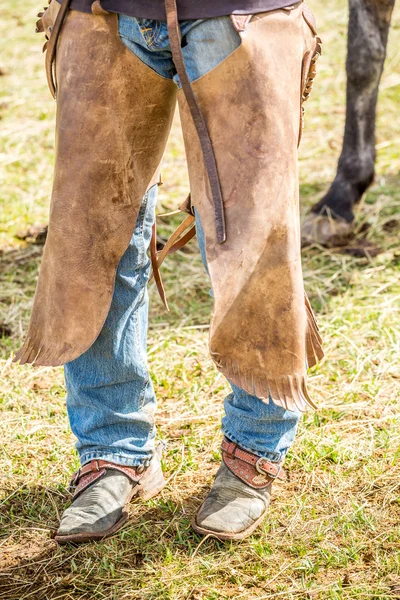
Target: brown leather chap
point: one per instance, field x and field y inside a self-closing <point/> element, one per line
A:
<point x="263" y="331"/>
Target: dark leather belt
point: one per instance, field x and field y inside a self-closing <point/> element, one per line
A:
<point x="175" y="39"/>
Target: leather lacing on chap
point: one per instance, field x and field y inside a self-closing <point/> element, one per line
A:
<point x="309" y="71"/>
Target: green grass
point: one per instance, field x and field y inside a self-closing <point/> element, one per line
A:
<point x="333" y="529"/>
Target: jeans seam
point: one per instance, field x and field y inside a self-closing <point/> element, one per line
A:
<point x="110" y="456"/>
<point x="143" y="282"/>
<point x="149" y="39"/>
<point x="144" y="359"/>
<point x="141" y="218"/>
<point x="142" y="393"/>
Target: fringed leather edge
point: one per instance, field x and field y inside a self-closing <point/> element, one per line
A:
<point x="40" y="25"/>
<point x="288" y="391"/>
<point x="50" y="22"/>
<point x="312" y="71"/>
<point x="41" y="28"/>
<point x="308" y="73"/>
<point x="34" y="352"/>
<point x="314" y="349"/>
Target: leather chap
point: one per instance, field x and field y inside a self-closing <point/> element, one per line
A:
<point x="262" y="325"/>
<point x="113" y="119"/>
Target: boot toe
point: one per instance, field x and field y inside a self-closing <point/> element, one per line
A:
<point x="98" y="508"/>
<point x="76" y="521"/>
<point x="234" y="517"/>
<point x="232" y="508"/>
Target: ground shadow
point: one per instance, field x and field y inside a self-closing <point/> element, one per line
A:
<point x="33" y="565"/>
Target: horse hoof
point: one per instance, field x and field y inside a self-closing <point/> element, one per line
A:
<point x="325" y="231"/>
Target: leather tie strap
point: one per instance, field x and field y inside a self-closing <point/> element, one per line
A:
<point x="96" y="469"/>
<point x="175" y="39"/>
<point x="180" y="237"/>
<point x="52" y="46"/>
<point x="154" y="265"/>
<point x="256" y="472"/>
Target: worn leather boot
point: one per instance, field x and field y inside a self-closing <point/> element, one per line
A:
<point x="102" y="492"/>
<point x="239" y="499"/>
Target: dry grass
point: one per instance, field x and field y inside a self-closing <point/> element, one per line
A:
<point x="333" y="531"/>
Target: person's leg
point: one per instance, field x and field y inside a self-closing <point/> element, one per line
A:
<point x="110" y="396"/>
<point x="258" y="431"/>
<point x="266" y="430"/>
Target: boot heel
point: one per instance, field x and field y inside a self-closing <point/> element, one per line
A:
<point x="152" y="487"/>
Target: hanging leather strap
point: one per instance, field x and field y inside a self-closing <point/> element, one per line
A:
<point x="156" y="271"/>
<point x="175" y="39"/>
<point x="187" y="230"/>
<point x="52" y="46"/>
<point x="181" y="236"/>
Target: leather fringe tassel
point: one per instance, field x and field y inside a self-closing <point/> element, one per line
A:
<point x="35" y="353"/>
<point x="289" y="391"/>
<point x="314" y="349"/>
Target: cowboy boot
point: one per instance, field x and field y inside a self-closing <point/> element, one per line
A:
<point x="239" y="499"/>
<point x="102" y="492"/>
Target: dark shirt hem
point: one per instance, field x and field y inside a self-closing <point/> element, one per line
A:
<point x="187" y="9"/>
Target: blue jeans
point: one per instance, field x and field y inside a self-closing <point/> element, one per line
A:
<point x="110" y="397"/>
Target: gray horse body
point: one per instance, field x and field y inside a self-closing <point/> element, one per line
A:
<point x="368" y="30"/>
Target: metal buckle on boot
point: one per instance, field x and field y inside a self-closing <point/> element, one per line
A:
<point x="262" y="471"/>
<point x="73" y="482"/>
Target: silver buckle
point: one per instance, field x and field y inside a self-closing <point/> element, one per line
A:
<point x="263" y="472"/>
<point x="74" y="481"/>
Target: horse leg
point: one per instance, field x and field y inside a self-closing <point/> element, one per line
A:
<point x="369" y="23"/>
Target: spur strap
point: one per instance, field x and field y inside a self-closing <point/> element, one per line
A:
<point x="175" y="39"/>
<point x="96" y="469"/>
<point x="256" y="472"/>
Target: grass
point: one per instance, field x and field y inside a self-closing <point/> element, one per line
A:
<point x="333" y="529"/>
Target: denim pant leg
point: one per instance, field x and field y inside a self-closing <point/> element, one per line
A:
<point x="110" y="396"/>
<point x="264" y="429"/>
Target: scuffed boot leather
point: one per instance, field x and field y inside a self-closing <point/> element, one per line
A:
<point x="239" y="498"/>
<point x="232" y="507"/>
<point x="99" y="509"/>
